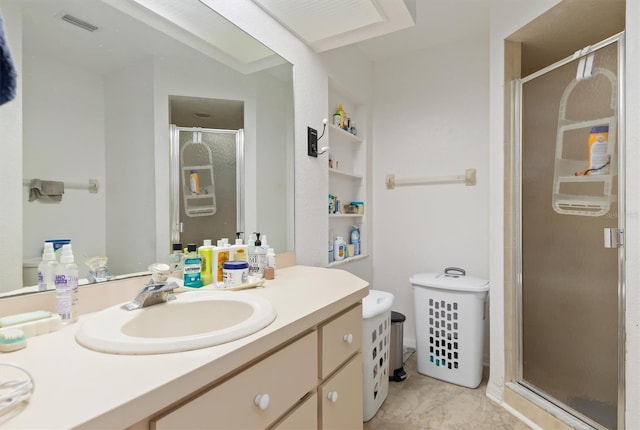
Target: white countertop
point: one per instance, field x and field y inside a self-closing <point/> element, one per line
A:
<point x="77" y="387"/>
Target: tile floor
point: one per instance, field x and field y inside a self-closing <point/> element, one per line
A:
<point x="423" y="403"/>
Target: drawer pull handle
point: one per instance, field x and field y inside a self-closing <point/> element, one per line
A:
<point x="262" y="401"/>
<point x="333" y="396"/>
<point x="348" y="338"/>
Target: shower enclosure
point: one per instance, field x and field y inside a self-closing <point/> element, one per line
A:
<point x="206" y="184"/>
<point x="570" y="227"/>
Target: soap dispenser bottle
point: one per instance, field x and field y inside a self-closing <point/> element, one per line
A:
<point x="238" y="252"/>
<point x="47" y="268"/>
<point x="257" y="258"/>
<point x="67" y="286"/>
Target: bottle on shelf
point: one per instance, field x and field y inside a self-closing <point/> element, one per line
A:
<point x="355" y="239"/>
<point x="339" y="249"/>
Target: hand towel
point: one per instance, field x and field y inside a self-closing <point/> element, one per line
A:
<point x="46" y="191"/>
<point x="7" y="70"/>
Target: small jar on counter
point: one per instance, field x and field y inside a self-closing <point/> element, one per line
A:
<point x="235" y="273"/>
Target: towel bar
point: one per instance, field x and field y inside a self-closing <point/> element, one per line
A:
<point x="469" y="178"/>
<point x="93" y="185"/>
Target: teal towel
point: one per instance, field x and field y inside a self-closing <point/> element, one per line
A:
<point x="46" y="191"/>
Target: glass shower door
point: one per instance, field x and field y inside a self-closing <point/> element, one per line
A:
<point x="569" y="282"/>
<point x="212" y="207"/>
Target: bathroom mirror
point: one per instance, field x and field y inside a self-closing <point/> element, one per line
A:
<point x="96" y="106"/>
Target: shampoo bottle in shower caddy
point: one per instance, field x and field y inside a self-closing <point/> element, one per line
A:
<point x="67" y="286"/>
<point x="47" y="268"/>
<point x="192" y="267"/>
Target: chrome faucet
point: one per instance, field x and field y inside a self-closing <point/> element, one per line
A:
<point x="152" y="294"/>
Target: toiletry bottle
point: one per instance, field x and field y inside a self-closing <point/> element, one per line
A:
<point x="194" y="182"/>
<point x="47" y="268"/>
<point x="355" y="239"/>
<point x="257" y="258"/>
<point x="206" y="253"/>
<point x="342" y="117"/>
<point x="192" y="275"/>
<point x="220" y="256"/>
<point x="238" y="252"/>
<point x="67" y="286"/>
<point x="271" y="258"/>
<point x="176" y="257"/>
<point x="339" y="249"/>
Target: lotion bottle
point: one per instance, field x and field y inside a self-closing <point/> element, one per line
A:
<point x="238" y="252"/>
<point x="47" y="268"/>
<point x="220" y="256"/>
<point x="339" y="249"/>
<point x="67" y="286"/>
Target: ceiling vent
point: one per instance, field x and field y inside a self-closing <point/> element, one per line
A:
<point x="78" y="22"/>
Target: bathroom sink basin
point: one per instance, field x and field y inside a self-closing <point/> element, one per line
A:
<point x="194" y="320"/>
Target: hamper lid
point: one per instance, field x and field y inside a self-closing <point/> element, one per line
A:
<point x="453" y="278"/>
<point x="376" y="303"/>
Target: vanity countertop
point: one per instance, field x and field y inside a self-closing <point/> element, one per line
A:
<point x="76" y="387"/>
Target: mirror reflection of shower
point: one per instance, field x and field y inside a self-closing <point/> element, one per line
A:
<point x="207" y="162"/>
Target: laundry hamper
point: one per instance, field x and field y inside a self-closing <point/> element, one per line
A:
<point x="376" y="330"/>
<point x="449" y="315"/>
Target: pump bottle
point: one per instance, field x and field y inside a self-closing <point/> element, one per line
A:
<point x="47" y="268"/>
<point x="257" y="258"/>
<point x="67" y="286"/>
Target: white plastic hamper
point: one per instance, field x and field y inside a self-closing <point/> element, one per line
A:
<point x="449" y="315"/>
<point x="376" y="332"/>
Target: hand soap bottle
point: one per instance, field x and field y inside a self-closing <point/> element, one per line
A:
<point x="238" y="252"/>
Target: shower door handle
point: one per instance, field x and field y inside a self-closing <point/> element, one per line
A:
<point x="613" y="238"/>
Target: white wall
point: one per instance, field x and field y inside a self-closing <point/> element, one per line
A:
<point x="11" y="159"/>
<point x="430" y="118"/>
<point x="130" y="168"/>
<point x="63" y="122"/>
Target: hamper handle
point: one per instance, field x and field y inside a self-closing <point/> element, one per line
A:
<point x="455" y="269"/>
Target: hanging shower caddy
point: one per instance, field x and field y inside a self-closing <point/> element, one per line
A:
<point x="586" y="194"/>
<point x="196" y="157"/>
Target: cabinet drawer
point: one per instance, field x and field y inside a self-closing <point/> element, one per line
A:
<point x="339" y="339"/>
<point x="285" y="377"/>
<point x="305" y="417"/>
<point x="341" y="398"/>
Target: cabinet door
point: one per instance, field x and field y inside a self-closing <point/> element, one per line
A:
<point x="341" y="398"/>
<point x="305" y="417"/>
<point x="339" y="339"/>
<point x="256" y="397"/>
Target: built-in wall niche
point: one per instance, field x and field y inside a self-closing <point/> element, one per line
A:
<point x="567" y="27"/>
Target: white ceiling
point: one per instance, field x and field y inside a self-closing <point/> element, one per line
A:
<point x="437" y="22"/>
<point x="330" y="24"/>
<point x="380" y="28"/>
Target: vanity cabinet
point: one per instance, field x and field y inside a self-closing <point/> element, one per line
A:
<point x="254" y="398"/>
<point x="313" y="382"/>
<point x="347" y="167"/>
<point x="340" y="393"/>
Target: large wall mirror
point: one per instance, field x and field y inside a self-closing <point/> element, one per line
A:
<point x="98" y="104"/>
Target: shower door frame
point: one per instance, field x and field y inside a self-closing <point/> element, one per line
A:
<point x="536" y="395"/>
